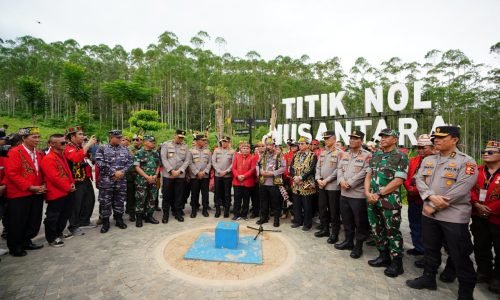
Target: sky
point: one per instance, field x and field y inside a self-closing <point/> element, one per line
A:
<point x="321" y="29"/>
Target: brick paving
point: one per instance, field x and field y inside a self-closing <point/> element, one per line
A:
<point x="122" y="265"/>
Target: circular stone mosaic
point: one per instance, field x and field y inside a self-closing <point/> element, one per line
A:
<point x="278" y="256"/>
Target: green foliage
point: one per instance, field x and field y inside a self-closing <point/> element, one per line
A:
<point x="127" y="91"/>
<point x="147" y="120"/>
<point x="75" y="76"/>
<point x="33" y="94"/>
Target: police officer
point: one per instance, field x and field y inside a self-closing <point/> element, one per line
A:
<point x="147" y="167"/>
<point x="113" y="160"/>
<point x="222" y="161"/>
<point x="351" y="175"/>
<point x="329" y="192"/>
<point x="385" y="175"/>
<point x="200" y="163"/>
<point x="174" y="156"/>
<point x="444" y="182"/>
<point x="131" y="175"/>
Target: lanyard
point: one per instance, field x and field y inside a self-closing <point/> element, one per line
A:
<point x="488" y="178"/>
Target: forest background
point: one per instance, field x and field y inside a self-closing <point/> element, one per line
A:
<point x="60" y="84"/>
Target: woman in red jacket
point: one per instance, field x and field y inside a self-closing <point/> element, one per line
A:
<point x="243" y="180"/>
<point x="485" y="227"/>
<point x="24" y="192"/>
<point x="60" y="184"/>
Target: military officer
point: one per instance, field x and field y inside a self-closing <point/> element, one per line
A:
<point x="131" y="175"/>
<point x="385" y="175"/>
<point x="444" y="182"/>
<point x="329" y="191"/>
<point x="174" y="156"/>
<point x="147" y="167"/>
<point x="200" y="163"/>
<point x="351" y="175"/>
<point x="113" y="160"/>
<point x="222" y="161"/>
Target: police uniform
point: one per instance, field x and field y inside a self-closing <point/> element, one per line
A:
<point x="304" y="166"/>
<point x="328" y="198"/>
<point x="174" y="157"/>
<point x="145" y="192"/>
<point x="112" y="190"/>
<point x="353" y="207"/>
<point x="200" y="160"/>
<point x="222" y="161"/>
<point x="385" y="215"/>
<point x="451" y="176"/>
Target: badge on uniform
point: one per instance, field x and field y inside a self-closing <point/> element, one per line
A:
<point x="453" y="165"/>
<point x="449" y="182"/>
<point x="482" y="195"/>
<point x="470" y="168"/>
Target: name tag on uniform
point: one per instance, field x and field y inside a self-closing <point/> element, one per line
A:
<point x="482" y="195"/>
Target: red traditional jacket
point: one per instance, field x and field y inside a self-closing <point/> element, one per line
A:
<point x="409" y="183"/>
<point x="21" y="173"/>
<point x="58" y="176"/>
<point x="76" y="160"/>
<point x="288" y="159"/>
<point x="244" y="166"/>
<point x="492" y="194"/>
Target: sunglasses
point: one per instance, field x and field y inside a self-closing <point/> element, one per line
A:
<point x="62" y="143"/>
<point x="489" y="152"/>
<point x="135" y="140"/>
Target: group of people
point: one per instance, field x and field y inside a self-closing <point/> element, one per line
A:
<point x="358" y="189"/>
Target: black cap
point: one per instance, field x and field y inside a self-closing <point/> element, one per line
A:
<point x="289" y="141"/>
<point x="225" y="138"/>
<point x="199" y="137"/>
<point x="328" y="134"/>
<point x="389" y="132"/>
<point x="358" y="134"/>
<point x="443" y="131"/>
<point x="115" y="133"/>
<point x="180" y="133"/>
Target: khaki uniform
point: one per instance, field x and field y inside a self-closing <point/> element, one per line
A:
<point x="200" y="160"/>
<point x="222" y="160"/>
<point x="326" y="168"/>
<point x="174" y="157"/>
<point x="352" y="169"/>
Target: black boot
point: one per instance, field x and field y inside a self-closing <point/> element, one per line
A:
<point x="383" y="260"/>
<point x="151" y="219"/>
<point x="419" y="263"/>
<point x="323" y="232"/>
<point x="358" y="250"/>
<point x="132" y="217"/>
<point x="105" y="225"/>
<point x="426" y="281"/>
<point x="138" y="220"/>
<point x="119" y="222"/>
<point x="276" y="221"/>
<point x="449" y="274"/>
<point x="334" y="237"/>
<point x="226" y="212"/>
<point x="204" y="212"/>
<point x="345" y="245"/>
<point x="262" y="221"/>
<point x="465" y="290"/>
<point x="396" y="267"/>
<point x="164" y="219"/>
<point x="217" y="211"/>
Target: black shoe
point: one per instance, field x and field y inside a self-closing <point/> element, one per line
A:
<point x="320" y="227"/>
<point x="253" y="216"/>
<point x="322" y="233"/>
<point x="446" y="278"/>
<point x="396" y="267"/>
<point x="105" y="225"/>
<point x="414" y="252"/>
<point x="217" y="212"/>
<point x="276" y="221"/>
<point x="33" y="246"/>
<point x="345" y="245"/>
<point x="119" y="222"/>
<point x="205" y="212"/>
<point x="179" y="218"/>
<point x="164" y="219"/>
<point x="262" y="221"/>
<point x="419" y="263"/>
<point x="138" y="221"/>
<point x="150" y="219"/>
<point x="226" y="212"/>
<point x="306" y="228"/>
<point x="358" y="250"/>
<point x="383" y="260"/>
<point x="193" y="214"/>
<point x="132" y="217"/>
<point x="295" y="225"/>
<point x="18" y="253"/>
<point x="333" y="238"/>
<point x="426" y="281"/>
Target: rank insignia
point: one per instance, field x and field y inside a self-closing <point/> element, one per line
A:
<point x="453" y="154"/>
<point x="452" y="165"/>
<point x="449" y="182"/>
<point x="429" y="172"/>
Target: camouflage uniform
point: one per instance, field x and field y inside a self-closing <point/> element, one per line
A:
<point x="145" y="193"/>
<point x="385" y="215"/>
<point x="131" y="175"/>
<point x="112" y="193"/>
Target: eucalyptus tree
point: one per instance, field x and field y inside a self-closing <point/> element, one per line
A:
<point x="33" y="93"/>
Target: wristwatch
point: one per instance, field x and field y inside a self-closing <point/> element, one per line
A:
<point x="379" y="194"/>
